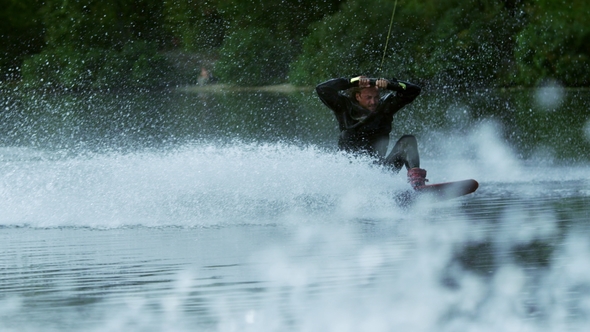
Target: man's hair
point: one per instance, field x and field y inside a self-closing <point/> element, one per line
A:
<point x="352" y="93"/>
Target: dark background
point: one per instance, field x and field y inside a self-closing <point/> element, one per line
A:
<point x="131" y="44"/>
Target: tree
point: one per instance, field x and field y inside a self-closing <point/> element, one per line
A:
<point x="196" y="25"/>
<point x="100" y="44"/>
<point x="21" y="31"/>
<point x="264" y="36"/>
<point x="254" y="56"/>
<point x="350" y="42"/>
<point x="470" y="44"/>
<point x="555" y="44"/>
<point x="446" y="42"/>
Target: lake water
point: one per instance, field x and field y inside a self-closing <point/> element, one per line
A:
<point x="232" y="211"/>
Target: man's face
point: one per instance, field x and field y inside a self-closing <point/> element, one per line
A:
<point x="368" y="98"/>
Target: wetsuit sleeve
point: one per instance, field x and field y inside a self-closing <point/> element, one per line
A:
<point x="405" y="93"/>
<point x="329" y="93"/>
<point x="404" y="89"/>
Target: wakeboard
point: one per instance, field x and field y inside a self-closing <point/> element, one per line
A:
<point x="438" y="191"/>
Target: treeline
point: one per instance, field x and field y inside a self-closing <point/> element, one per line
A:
<point x="114" y="44"/>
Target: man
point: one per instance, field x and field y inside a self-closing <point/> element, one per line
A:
<point x="365" y="118"/>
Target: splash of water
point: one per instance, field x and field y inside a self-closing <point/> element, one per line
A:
<point x="200" y="184"/>
<point x="205" y="184"/>
<point x="550" y="96"/>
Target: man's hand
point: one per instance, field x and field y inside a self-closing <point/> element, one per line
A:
<point x="365" y="82"/>
<point x="381" y="83"/>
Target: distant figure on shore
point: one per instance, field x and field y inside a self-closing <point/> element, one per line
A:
<point x="205" y="77"/>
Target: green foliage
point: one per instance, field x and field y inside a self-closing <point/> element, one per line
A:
<point x="289" y="18"/>
<point x="21" y="32"/>
<point x="100" y="44"/>
<point x="447" y="42"/>
<point x="555" y="44"/>
<point x="340" y="45"/>
<point x="470" y="44"/>
<point x="254" y="57"/>
<point x="103" y="24"/>
<point x="264" y="38"/>
<point x="137" y="65"/>
<point x="195" y="25"/>
<point x="137" y="43"/>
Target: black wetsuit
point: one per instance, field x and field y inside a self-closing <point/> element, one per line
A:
<point x="363" y="131"/>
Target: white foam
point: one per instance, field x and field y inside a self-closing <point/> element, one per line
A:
<point x="550" y="96"/>
<point x="195" y="185"/>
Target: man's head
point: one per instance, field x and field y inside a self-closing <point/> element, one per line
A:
<point x="368" y="97"/>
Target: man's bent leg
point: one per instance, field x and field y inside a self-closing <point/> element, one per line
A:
<point x="404" y="152"/>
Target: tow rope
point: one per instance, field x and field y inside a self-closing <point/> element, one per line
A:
<point x="387" y="40"/>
